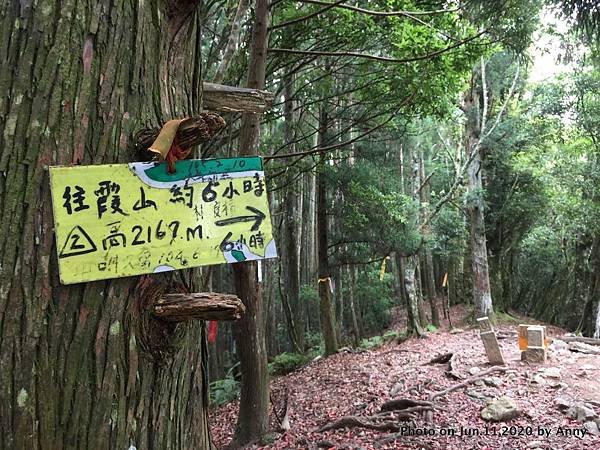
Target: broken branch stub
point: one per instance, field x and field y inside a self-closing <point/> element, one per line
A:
<point x="191" y="131"/>
<point x="198" y="306"/>
<point x="221" y="98"/>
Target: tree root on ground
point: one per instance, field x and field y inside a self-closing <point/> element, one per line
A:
<point x="406" y="410"/>
<point x="467" y="382"/>
<point x="360" y="422"/>
<point x="393" y="411"/>
<point x="405" y="404"/>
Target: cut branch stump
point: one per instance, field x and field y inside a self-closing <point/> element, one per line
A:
<point x="221" y="98"/>
<point x="198" y="306"/>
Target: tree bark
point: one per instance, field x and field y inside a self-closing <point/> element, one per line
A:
<point x="199" y="306"/>
<point x="253" y="418"/>
<point x="411" y="264"/>
<point x="218" y="97"/>
<point x="77" y="79"/>
<point x="355" y="327"/>
<point x="292" y="227"/>
<point x="427" y="272"/>
<point x="419" y="291"/>
<point x="482" y="297"/>
<point x="597" y="324"/>
<point x="326" y="308"/>
<point x="232" y="41"/>
<point x="412" y="299"/>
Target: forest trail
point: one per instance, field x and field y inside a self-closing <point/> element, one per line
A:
<point x="358" y="383"/>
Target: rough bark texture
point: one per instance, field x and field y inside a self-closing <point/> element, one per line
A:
<point x="199" y="306"/>
<point x="326" y="307"/>
<point x="77" y="79"/>
<point x="427" y="272"/>
<point x="355" y="328"/>
<point x="218" y="97"/>
<point x="411" y="264"/>
<point x="291" y="209"/>
<point x="253" y="418"/>
<point x="412" y="300"/>
<point x="249" y="334"/>
<point x="597" y="324"/>
<point x="309" y="221"/>
<point x="482" y="297"/>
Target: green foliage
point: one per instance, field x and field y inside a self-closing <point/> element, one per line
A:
<point x="378" y="341"/>
<point x="269" y="438"/>
<point x="449" y="233"/>
<point x="223" y="391"/>
<point x="314" y="341"/>
<point x="377" y="297"/>
<point x="371" y="343"/>
<point x="431" y="328"/>
<point x="375" y="217"/>
<point x="285" y="363"/>
<point x="504" y="317"/>
<point x="309" y="296"/>
<point x="391" y="335"/>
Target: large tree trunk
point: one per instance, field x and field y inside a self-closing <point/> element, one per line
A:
<point x="327" y="315"/>
<point x="77" y="79"/>
<point x="253" y="418"/>
<point x="482" y="297"/>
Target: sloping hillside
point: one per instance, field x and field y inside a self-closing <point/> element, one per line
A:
<point x="353" y="386"/>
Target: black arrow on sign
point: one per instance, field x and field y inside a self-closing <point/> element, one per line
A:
<point x="258" y="217"/>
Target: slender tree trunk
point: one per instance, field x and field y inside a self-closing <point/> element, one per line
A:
<point x="326" y="307"/>
<point x="232" y="41"/>
<point x="355" y="327"/>
<point x="400" y="269"/>
<point x="412" y="306"/>
<point x="588" y="286"/>
<point x="253" y="418"/>
<point x="312" y="257"/>
<point x="401" y="260"/>
<point x="77" y="79"/>
<point x="339" y="303"/>
<point x="427" y="271"/>
<point x="411" y="264"/>
<point x="597" y="324"/>
<point x="291" y="225"/>
<point x="419" y="291"/>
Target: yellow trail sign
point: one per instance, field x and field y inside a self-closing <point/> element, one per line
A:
<point x="120" y="220"/>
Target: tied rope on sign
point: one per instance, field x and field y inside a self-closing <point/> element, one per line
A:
<point x="167" y="147"/>
<point x="176" y="138"/>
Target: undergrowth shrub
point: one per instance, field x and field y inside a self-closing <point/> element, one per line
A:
<point x="287" y="362"/>
<point x="223" y="391"/>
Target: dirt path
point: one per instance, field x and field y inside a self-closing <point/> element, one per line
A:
<point x="358" y="384"/>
